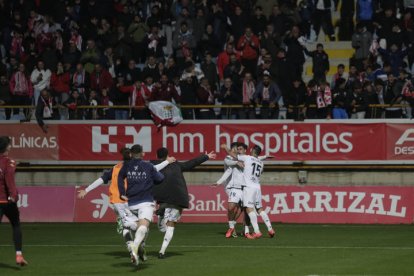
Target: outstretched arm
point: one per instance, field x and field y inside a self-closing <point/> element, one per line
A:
<point x="224" y="177"/>
<point x="165" y="163"/>
<point x="185" y="166"/>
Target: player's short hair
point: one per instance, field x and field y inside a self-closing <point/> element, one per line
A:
<point x="243" y="145"/>
<point x="136" y="149"/>
<point x="257" y="150"/>
<point x="126" y="154"/>
<point x="4" y="143"/>
<point x="234" y="145"/>
<point x="162" y="153"/>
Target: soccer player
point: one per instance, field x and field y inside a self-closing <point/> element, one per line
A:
<point x="9" y="197"/>
<point x="140" y="176"/>
<point x="242" y="149"/>
<point x="172" y="194"/>
<point x="126" y="220"/>
<point x="253" y="168"/>
<point x="233" y="179"/>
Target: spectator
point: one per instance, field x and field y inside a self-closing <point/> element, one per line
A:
<point x="320" y="62"/>
<point x="209" y="42"/>
<point x="188" y="96"/>
<point x="171" y="69"/>
<point x="294" y="55"/>
<point x="137" y="30"/>
<point x="229" y="96"/>
<point x="5" y="98"/>
<point x="238" y="22"/>
<point x="394" y="56"/>
<point x="154" y="43"/>
<point x="90" y="56"/>
<point x="132" y="73"/>
<point x="249" y="46"/>
<point x="270" y="40"/>
<point x="92" y="113"/>
<point x="199" y="25"/>
<point x="60" y="87"/>
<point x="361" y="42"/>
<point x="258" y="22"/>
<point x="71" y="55"/>
<point x="268" y="96"/>
<point x="365" y="10"/>
<point x="209" y="69"/>
<point x="165" y="91"/>
<point x="183" y="44"/>
<point x="119" y="98"/>
<point x="318" y="101"/>
<point x="205" y="96"/>
<point x="72" y="104"/>
<point x="45" y="109"/>
<point x="138" y="98"/>
<point x="359" y="102"/>
<point x="392" y="96"/>
<point x="234" y="70"/>
<point x="151" y="69"/>
<point x="224" y="59"/>
<point x="100" y="78"/>
<point x="21" y="90"/>
<point x="340" y="74"/>
<point x="40" y="78"/>
<point x="248" y="91"/>
<point x="295" y="99"/>
<point x="322" y="17"/>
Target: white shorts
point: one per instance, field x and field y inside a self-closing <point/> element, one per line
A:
<point x="172" y="214"/>
<point x="250" y="196"/>
<point x="234" y="195"/>
<point x="258" y="203"/>
<point x="122" y="211"/>
<point x="144" y="210"/>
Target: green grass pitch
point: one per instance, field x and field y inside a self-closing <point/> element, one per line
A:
<point x="201" y="249"/>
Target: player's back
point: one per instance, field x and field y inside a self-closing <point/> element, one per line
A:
<point x="253" y="168"/>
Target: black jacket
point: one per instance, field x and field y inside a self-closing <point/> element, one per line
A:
<point x="173" y="189"/>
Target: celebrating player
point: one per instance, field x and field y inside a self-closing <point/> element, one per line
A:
<point x="140" y="176"/>
<point x="9" y="197"/>
<point x="126" y="220"/>
<point x="253" y="168"/>
<point x="242" y="149"/>
<point x="172" y="193"/>
<point x="233" y="179"/>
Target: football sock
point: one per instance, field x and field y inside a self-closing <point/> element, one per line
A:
<point x="266" y="220"/>
<point x="127" y="235"/>
<point x="140" y="235"/>
<point x="232" y="223"/>
<point x="167" y="238"/>
<point x="253" y="221"/>
<point x="246" y="229"/>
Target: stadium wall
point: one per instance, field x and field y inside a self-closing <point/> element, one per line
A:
<point x="286" y="204"/>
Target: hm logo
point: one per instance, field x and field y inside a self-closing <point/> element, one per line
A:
<point x="142" y="137"/>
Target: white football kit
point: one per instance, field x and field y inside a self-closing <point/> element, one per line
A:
<point x="253" y="168"/>
<point x="233" y="180"/>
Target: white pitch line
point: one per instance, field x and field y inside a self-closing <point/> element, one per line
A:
<point x="225" y="246"/>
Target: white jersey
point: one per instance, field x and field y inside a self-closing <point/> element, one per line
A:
<point x="253" y="168"/>
<point x="236" y="180"/>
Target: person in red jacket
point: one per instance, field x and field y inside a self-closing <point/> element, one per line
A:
<point x="223" y="59"/>
<point x="249" y="46"/>
<point x="9" y="196"/>
<point x="139" y="95"/>
<point x="100" y="78"/>
<point x="164" y="91"/>
<point x="60" y="87"/>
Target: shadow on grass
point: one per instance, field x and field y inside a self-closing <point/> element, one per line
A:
<point x="118" y="254"/>
<point x="6" y="266"/>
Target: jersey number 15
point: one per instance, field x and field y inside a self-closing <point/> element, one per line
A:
<point x="257" y="169"/>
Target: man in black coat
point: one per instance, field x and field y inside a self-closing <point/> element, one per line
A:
<point x="172" y="193"/>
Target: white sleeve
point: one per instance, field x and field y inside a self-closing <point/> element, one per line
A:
<point x="229" y="161"/>
<point x="263" y="157"/>
<point x="242" y="157"/>
<point x="224" y="177"/>
<point x="161" y="165"/>
<point x="98" y="182"/>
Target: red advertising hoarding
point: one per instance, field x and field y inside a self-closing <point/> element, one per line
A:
<point x="286" y="204"/>
<point x="96" y="142"/>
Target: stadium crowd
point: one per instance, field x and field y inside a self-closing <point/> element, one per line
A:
<point x="61" y="54"/>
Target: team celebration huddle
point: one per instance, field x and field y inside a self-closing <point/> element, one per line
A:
<point x="139" y="189"/>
